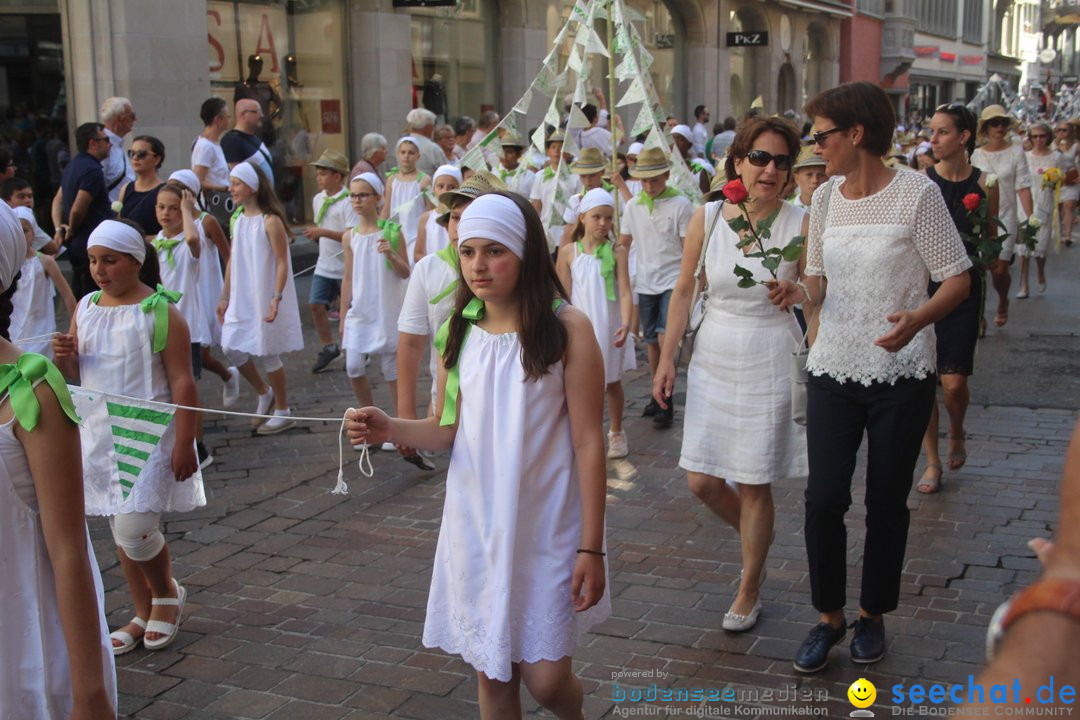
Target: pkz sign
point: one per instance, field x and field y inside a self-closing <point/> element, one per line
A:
<point x="747" y="39"/>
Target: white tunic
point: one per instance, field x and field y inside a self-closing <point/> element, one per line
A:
<point x="435" y="235"/>
<point x="738" y="391"/>
<point x="511" y="523"/>
<point x="404" y="193"/>
<point x="182" y="275"/>
<point x="211" y="282"/>
<point x="35" y="674"/>
<point x="115" y="356"/>
<point x="32" y="310"/>
<point x="419" y="315"/>
<point x="1013" y="174"/>
<point x="1042" y="200"/>
<point x="588" y="293"/>
<point x="252" y="284"/>
<point x="377" y="294"/>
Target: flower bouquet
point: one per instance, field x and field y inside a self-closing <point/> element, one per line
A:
<point x="984" y="236"/>
<point x="735" y="192"/>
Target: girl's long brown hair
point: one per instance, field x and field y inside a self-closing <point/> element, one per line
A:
<point x="268" y="200"/>
<point x="542" y="336"/>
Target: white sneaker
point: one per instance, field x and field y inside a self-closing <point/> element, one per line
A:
<point x="389" y="446"/>
<point x="266" y="401"/>
<point x="231" y="392"/>
<point x="617" y="447"/>
<point x="281" y="421"/>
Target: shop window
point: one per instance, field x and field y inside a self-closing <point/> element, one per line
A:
<point x="288" y="55"/>
<point x="749" y="65"/>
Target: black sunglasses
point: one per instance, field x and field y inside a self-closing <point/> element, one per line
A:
<point x="998" y="122"/>
<point x="139" y="154"/>
<point x="819" y="137"/>
<point x="760" y="158"/>
<point x="1037" y="136"/>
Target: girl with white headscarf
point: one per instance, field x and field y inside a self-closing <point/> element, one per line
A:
<point x="127" y="340"/>
<point x="404" y="200"/>
<point x="54" y="653"/>
<point x="33" y="313"/>
<point x="519" y="570"/>
<point x="431" y="237"/>
<point x="595" y="273"/>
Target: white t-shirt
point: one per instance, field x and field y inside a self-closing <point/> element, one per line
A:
<point x="210" y="155"/>
<point x="430" y="276"/>
<point x="598" y="138"/>
<point x="116" y="166"/>
<point x="339" y="217"/>
<point x="658" y="238"/>
<point x="701" y="136"/>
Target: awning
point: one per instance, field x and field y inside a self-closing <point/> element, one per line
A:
<point x="829" y="7"/>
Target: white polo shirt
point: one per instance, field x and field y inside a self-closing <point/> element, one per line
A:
<point x="658" y="238"/>
<point x="339" y="216"/>
<point x="430" y="276"/>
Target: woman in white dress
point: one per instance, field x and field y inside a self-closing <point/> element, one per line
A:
<point x="520" y="572"/>
<point x="55" y="659"/>
<point x="738" y="436"/>
<point x="1040" y="158"/>
<point x="1065" y="142"/>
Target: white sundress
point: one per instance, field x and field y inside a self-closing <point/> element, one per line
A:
<point x="589" y="294"/>
<point x="1013" y="174"/>
<point x="435" y="235"/>
<point x="211" y="281"/>
<point x="511" y="523"/>
<point x="115" y="356"/>
<point x="1042" y="200"/>
<point x="377" y="295"/>
<point x="33" y="312"/>
<point x="252" y="284"/>
<point x="35" y="673"/>
<point x="405" y="191"/>
<point x="181" y="274"/>
<point x="738" y="390"/>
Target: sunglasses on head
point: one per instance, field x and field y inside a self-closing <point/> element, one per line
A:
<point x="945" y="107"/>
<point x="138" y="154"/>
<point x="760" y="158"/>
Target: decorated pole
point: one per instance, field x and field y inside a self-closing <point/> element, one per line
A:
<point x="611" y="104"/>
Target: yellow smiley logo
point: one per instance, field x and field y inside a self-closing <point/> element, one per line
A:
<point x="862" y="693"/>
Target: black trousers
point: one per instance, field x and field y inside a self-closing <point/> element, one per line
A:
<point x="894" y="418"/>
<point x="82" y="283"/>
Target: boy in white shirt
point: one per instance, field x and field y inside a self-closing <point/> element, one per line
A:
<point x="512" y="171"/>
<point x="544" y="191"/>
<point x="655" y="222"/>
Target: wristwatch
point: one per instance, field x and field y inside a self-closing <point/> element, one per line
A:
<point x="1057" y="595"/>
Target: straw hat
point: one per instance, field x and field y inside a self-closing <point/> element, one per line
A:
<point x="590" y="161"/>
<point x="557" y="136"/>
<point x="716" y="185"/>
<point x="333" y="160"/>
<point x="989" y="113"/>
<point x="650" y="163"/>
<point x="512" y="140"/>
<point x="807" y="158"/>
<point x="480" y="183"/>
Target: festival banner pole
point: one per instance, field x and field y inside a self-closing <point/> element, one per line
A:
<point x="611" y="104"/>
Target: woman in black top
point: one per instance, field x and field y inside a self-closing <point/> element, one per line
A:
<point x="137" y="198"/>
<point x="953" y="141"/>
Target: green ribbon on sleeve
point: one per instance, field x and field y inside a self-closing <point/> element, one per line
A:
<point x="449" y="256"/>
<point x="158" y="303"/>
<point x="391" y="232"/>
<point x="17" y="380"/>
<point x="166" y="245"/>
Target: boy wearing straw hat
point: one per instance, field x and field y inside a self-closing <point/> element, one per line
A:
<point x="589" y="167"/>
<point x="809" y="173"/>
<point x="333" y="215"/>
<point x="655" y="222"/>
<point x="511" y="170"/>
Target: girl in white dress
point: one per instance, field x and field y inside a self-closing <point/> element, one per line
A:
<point x="520" y="572"/>
<point x="258" y="310"/>
<point x="404" y="199"/>
<point x="738" y="436"/>
<point x="372" y="290"/>
<point x="33" y="313"/>
<point x="125" y="339"/>
<point x="431" y="236"/>
<point x="594" y="271"/>
<point x="54" y="656"/>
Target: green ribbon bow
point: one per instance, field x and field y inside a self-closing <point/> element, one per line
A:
<point x="449" y="256"/>
<point x="327" y="203"/>
<point x="647" y="200"/>
<point x="391" y="232"/>
<point x="159" y="304"/>
<point x="606" y="255"/>
<point x="17" y="380"/>
<point x="233" y="218"/>
<point x="548" y="173"/>
<point x="166" y="245"/>
<point x="607" y="186"/>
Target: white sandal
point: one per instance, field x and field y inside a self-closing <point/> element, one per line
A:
<point x="130" y="642"/>
<point x="169" y="630"/>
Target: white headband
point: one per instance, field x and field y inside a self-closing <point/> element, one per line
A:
<point x="449" y="170"/>
<point x="683" y="130"/>
<point x="635" y="148"/>
<point x="496" y="218"/>
<point x="595" y="198"/>
<point x="371" y="179"/>
<point x="407" y="139"/>
<point x="245" y="173"/>
<point x="12" y="245"/>
<point x="41" y="239"/>
<point x="189" y="180"/>
<point x="120" y="237"/>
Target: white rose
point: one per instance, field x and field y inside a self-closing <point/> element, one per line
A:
<point x="1034" y="222"/>
<point x="991" y="180"/>
<point x="117" y="206"/>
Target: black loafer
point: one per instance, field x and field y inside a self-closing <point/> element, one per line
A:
<point x="650" y="409"/>
<point x="813" y="654"/>
<point x="868" y="641"/>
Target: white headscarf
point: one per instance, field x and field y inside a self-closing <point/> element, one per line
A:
<point x="595" y="198"/>
<point x="245" y="173"/>
<point x="12" y="246"/>
<point x="496" y="218"/>
<point x="635" y="149"/>
<point x="120" y="237"/>
<point x="684" y="131"/>
<point x="407" y="139"/>
<point x="450" y="170"/>
<point x="41" y="238"/>
<point x="189" y="180"/>
<point x="373" y="180"/>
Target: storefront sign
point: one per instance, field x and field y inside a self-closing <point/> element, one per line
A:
<point x="747" y="39"/>
<point x="331" y="116"/>
<point x="926" y="50"/>
<point x="425" y="3"/>
<point x="948" y="57"/>
<point x="971" y="59"/>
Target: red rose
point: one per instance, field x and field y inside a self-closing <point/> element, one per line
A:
<point x="735" y="191"/>
<point x="971" y="202"/>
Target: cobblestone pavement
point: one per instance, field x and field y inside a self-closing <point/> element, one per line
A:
<point x="304" y="604"/>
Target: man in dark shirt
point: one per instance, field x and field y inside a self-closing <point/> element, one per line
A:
<point x="82" y="202"/>
<point x="242" y="143"/>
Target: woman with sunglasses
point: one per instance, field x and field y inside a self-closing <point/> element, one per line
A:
<point x="738" y="436"/>
<point x="998" y="155"/>
<point x="1065" y="143"/>
<point x="138" y="198"/>
<point x="1040" y="158"/>
<point x="877" y="237"/>
<point x="953" y="139"/>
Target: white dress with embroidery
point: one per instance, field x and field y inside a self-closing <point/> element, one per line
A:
<point x="588" y="293"/>
<point x="33" y="312"/>
<point x="35" y="672"/>
<point x="377" y="295"/>
<point x="182" y="275"/>
<point x="115" y="356"/>
<point x="403" y="192"/>
<point x="511" y="523"/>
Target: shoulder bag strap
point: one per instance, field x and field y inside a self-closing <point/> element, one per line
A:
<point x="699" y="283"/>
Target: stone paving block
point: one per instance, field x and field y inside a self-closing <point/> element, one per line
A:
<point x="300" y="710"/>
<point x="247" y="704"/>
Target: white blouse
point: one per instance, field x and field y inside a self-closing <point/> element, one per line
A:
<point x="878" y="254"/>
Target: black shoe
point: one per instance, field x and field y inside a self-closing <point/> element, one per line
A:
<point x="420" y="461"/>
<point x="663" y="418"/>
<point x="650" y="409"/>
<point x="868" y="641"/>
<point x="326" y="356"/>
<point x="205" y="458"/>
<point x="813" y="654"/>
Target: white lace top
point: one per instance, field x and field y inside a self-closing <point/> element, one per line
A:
<point x="878" y="254"/>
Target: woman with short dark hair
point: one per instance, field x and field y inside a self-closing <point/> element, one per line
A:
<point x="877" y="236"/>
<point x="138" y="197"/>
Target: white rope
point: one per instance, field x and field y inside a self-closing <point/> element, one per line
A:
<point x="36" y="337"/>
